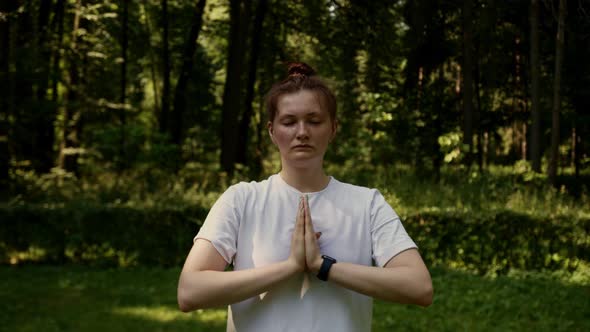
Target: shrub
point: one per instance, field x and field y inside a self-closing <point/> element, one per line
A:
<point x="111" y="235"/>
<point x="97" y="234"/>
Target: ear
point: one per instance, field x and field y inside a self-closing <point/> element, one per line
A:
<point x="334" y="130"/>
<point x="270" y="131"/>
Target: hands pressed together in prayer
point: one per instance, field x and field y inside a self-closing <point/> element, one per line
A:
<point x="305" y="250"/>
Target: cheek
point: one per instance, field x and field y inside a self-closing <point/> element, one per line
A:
<point x="281" y="136"/>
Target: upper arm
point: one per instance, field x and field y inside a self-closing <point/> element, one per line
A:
<point x="408" y="258"/>
<point x="388" y="235"/>
<point x="204" y="256"/>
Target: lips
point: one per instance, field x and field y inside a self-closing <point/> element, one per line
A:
<point x="302" y="146"/>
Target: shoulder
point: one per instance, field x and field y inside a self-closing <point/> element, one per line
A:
<point x="370" y="198"/>
<point x="353" y="189"/>
<point x="242" y="190"/>
<point x="355" y="193"/>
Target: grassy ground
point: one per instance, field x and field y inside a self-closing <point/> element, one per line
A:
<point x="37" y="298"/>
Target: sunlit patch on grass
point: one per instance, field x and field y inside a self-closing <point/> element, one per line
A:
<point x="168" y="314"/>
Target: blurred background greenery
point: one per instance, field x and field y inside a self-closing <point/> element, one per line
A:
<point x="121" y="122"/>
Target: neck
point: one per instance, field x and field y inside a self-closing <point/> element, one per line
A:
<point x="305" y="179"/>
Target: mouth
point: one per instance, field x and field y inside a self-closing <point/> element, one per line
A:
<point x="302" y="146"/>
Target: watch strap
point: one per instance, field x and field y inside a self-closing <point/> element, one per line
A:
<point x="325" y="268"/>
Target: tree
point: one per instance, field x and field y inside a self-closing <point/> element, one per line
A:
<point x="70" y="134"/>
<point x="468" y="77"/>
<point x="559" y="47"/>
<point x="535" y="77"/>
<point x="232" y="93"/>
<point x="6" y="86"/>
<point x="123" y="87"/>
<point x="244" y="126"/>
<point x="187" y="66"/>
<point x="165" y="112"/>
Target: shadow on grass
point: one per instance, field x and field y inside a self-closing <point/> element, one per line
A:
<point x="74" y="298"/>
<point x="41" y="298"/>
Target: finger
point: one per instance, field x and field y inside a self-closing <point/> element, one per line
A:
<point x="308" y="223"/>
<point x="299" y="225"/>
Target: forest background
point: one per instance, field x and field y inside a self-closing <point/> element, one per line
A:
<point x="124" y="119"/>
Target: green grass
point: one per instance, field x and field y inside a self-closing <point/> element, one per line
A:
<point x="74" y="298"/>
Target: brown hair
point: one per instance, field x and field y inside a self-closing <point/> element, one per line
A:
<point x="301" y="77"/>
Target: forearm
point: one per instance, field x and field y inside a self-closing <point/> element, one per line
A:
<point x="205" y="289"/>
<point x="403" y="284"/>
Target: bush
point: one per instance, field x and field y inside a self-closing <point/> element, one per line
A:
<point x="500" y="241"/>
<point x="111" y="235"/>
<point x="97" y="234"/>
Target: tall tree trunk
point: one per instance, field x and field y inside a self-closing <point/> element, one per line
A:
<point x="152" y="58"/>
<point x="58" y="26"/>
<point x="187" y="67"/>
<point x="535" y="148"/>
<point x="232" y="100"/>
<point x="468" y="78"/>
<point x="164" y="114"/>
<point x="68" y="158"/>
<point x="437" y="157"/>
<point x="478" y="112"/>
<point x="123" y="87"/>
<point x="243" y="136"/>
<point x="46" y="112"/>
<point x="6" y="88"/>
<point x="559" y="46"/>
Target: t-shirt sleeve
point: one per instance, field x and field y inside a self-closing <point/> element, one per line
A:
<point x="388" y="235"/>
<point x="222" y="224"/>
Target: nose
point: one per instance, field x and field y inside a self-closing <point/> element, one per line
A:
<point x="302" y="132"/>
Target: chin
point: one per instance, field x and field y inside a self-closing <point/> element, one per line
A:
<point x="303" y="161"/>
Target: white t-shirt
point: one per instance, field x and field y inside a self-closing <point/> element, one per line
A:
<point x="251" y="225"/>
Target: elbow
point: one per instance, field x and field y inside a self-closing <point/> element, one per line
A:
<point x="187" y="305"/>
<point x="186" y="300"/>
<point x="426" y="296"/>
<point x="184" y="304"/>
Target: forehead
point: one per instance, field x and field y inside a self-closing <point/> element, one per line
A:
<point x="300" y="103"/>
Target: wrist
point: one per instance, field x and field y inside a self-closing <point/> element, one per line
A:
<point x="316" y="265"/>
<point x="325" y="267"/>
<point x="292" y="266"/>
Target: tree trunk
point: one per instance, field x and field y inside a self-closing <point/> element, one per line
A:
<point x="437" y="157"/>
<point x="58" y="26"/>
<point x="122" y="160"/>
<point x="232" y="101"/>
<point x="152" y="58"/>
<point x="468" y="79"/>
<point x="243" y="136"/>
<point x="559" y="46"/>
<point x="164" y="114"/>
<point x="6" y="89"/>
<point x="535" y="148"/>
<point x="478" y="113"/>
<point x="68" y="155"/>
<point x="46" y="112"/>
<point x="185" y="72"/>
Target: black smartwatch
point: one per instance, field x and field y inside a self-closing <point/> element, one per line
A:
<point x="325" y="268"/>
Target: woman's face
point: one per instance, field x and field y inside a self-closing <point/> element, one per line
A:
<point x="301" y="129"/>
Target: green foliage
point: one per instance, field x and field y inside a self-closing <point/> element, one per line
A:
<point x="102" y="235"/>
<point x="499" y="241"/>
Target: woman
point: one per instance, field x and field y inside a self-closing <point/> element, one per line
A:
<point x="309" y="252"/>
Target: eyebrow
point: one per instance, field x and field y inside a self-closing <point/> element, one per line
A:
<point x="309" y="115"/>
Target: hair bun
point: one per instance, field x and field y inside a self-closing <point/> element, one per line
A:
<point x="300" y="69"/>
